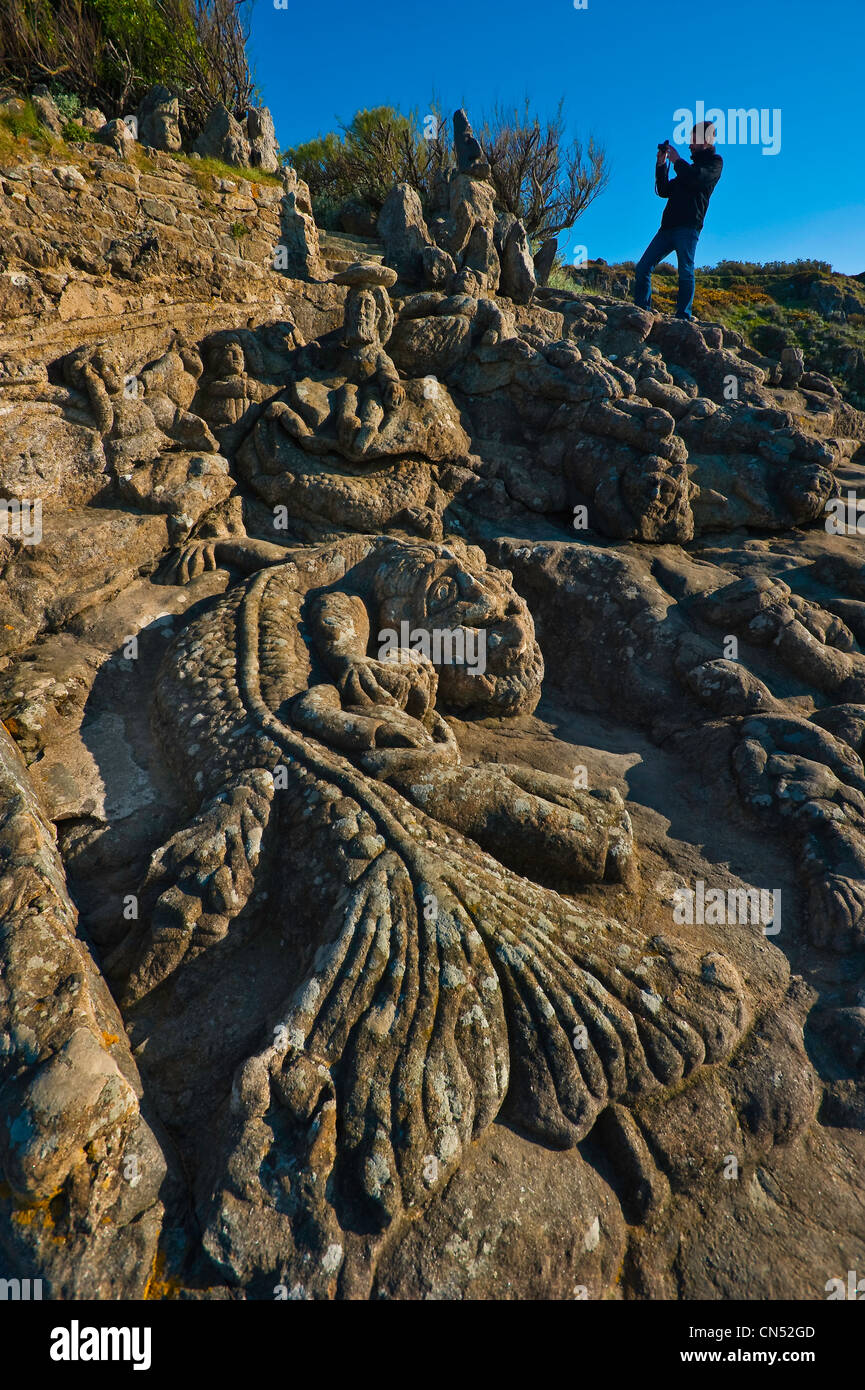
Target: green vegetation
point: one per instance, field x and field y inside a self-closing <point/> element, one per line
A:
<point x="21" y="135"/>
<point x="537" y="175"/>
<point x="107" y="53"/>
<point x="22" y="125"/>
<point x="206" y="171"/>
<point x="560" y="279"/>
<point x="75" y="134"/>
<point x="377" y="149"/>
<point x="67" y="103"/>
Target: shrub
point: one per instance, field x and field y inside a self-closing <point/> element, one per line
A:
<point x="537" y="176"/>
<point x="24" y="124"/>
<point x="108" y="52"/>
<point x="67" y="103"/>
<point x="326" y="211"/>
<point x="543" y="181"/>
<point x="379" y="148"/>
<point x="75" y="134"/>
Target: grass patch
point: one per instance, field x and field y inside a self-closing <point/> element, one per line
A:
<point x="143" y="163"/>
<point x="21" y="133"/>
<point x="22" y="136"/>
<point x="559" y="279"/>
<point x="205" y="172"/>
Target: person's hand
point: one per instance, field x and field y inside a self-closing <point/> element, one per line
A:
<point x="188" y="562"/>
<point x="672" y="153"/>
<point x="406" y="680"/>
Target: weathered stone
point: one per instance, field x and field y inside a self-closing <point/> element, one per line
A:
<point x="428" y="1008"/>
<point x="298" y="252"/>
<point x="792" y="365"/>
<point x="69" y="177"/>
<point x="470" y="156"/>
<point x="467" y="233"/>
<point x="402" y="229"/>
<point x="159" y="120"/>
<point x="118" y="135"/>
<point x="518" y="279"/>
<point x="544" y="260"/>
<point x="67" y="1077"/>
<point x="263" y="149"/>
<point x="223" y="137"/>
<point x="92" y="118"/>
<point x="46" y="110"/>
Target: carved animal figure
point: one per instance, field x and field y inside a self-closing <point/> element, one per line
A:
<point x="428" y="979"/>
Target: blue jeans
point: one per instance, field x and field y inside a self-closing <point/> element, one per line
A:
<point x="682" y="240"/>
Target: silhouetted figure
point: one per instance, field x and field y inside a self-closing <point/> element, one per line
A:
<point x="687" y="195"/>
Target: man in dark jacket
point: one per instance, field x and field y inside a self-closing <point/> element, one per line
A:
<point x="687" y="197"/>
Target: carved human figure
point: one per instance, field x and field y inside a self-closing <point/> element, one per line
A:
<point x="363" y="389"/>
<point x="229" y="391"/>
<point x="141" y="416"/>
<point x="125" y="421"/>
<point x="169" y="386"/>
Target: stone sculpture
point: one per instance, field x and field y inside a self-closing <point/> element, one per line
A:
<point x="342" y="950"/>
<point x="391" y="1050"/>
<point x="321" y="447"/>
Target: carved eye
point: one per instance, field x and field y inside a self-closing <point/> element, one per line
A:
<point x="443" y="592"/>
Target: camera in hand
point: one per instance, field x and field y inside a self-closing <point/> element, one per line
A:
<point x="662" y="144"/>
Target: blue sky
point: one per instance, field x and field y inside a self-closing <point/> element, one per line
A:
<point x="624" y="68"/>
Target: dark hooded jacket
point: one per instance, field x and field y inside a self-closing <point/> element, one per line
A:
<point x="689" y="192"/>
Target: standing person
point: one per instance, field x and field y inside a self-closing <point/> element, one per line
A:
<point x="687" y="197"/>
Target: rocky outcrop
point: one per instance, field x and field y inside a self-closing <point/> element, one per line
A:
<point x="403" y="233"/>
<point x="263" y="149"/>
<point x="544" y="260"/>
<point x="119" y="137"/>
<point x="250" y="142"/>
<point x="46" y="109"/>
<point x="159" y="120"/>
<point x="432" y="804"/>
<point x="466" y="248"/>
<point x="468" y="230"/>
<point x="518" y="278"/>
<point x="157" y="124"/>
<point x="298" y="253"/>
<point x="102" y="255"/>
<point x="224" y="138"/>
<point x="69" y="1088"/>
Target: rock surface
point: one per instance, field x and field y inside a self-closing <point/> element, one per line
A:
<point x="432" y="802"/>
<point x="159" y="120"/>
<point x="223" y="137"/>
<point x="263" y="148"/>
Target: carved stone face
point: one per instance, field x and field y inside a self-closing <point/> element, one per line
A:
<point x="491" y="663"/>
<point x="658" y="494"/>
<point x="106" y="362"/>
<point x="228" y="360"/>
<point x="361" y="318"/>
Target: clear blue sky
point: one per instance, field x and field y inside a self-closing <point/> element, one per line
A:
<point x="624" y="67"/>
